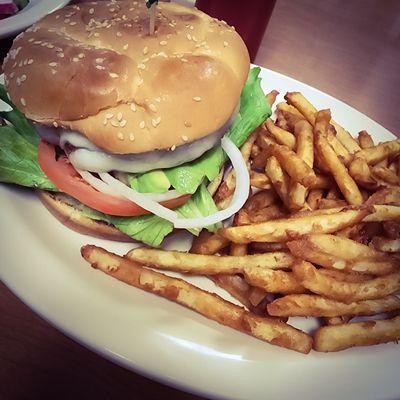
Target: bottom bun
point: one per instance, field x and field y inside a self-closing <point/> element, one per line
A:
<point x="74" y="219"/>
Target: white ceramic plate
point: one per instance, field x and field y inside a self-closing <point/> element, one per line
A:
<point x="35" y="10"/>
<point x="40" y="262"/>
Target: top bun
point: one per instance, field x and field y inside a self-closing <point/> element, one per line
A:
<point x="95" y="68"/>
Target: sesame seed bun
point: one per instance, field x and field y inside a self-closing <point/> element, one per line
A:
<point x="95" y="69"/>
<point x="74" y="219"/>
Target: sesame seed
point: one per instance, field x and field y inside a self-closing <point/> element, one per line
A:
<point x="72" y="23"/>
<point x="22" y="78"/>
<point x="132" y="106"/>
<point x="57" y="16"/>
<point x="197" y="98"/>
<point x="37" y="42"/>
<point x="18" y="82"/>
<point x="119" y="116"/>
<point x="184" y="138"/>
<point x="53" y="64"/>
<point x="120" y="136"/>
<point x="23" y="102"/>
<point x="191" y="27"/>
<point x="100" y="67"/>
<point x="156" y="121"/>
<point x="140" y="81"/>
<point x="81" y="55"/>
<point x="67" y="21"/>
<point x="113" y="75"/>
<point x="75" y="59"/>
<point x="158" y="99"/>
<point x="173" y="147"/>
<point x="189" y="37"/>
<point x="61" y="55"/>
<point x="187" y="124"/>
<point x="96" y="34"/>
<point x="91" y="10"/>
<point x="31" y="40"/>
<point x="50" y="46"/>
<point x="55" y="124"/>
<point x="115" y="124"/>
<point x="125" y="47"/>
<point x="131" y="137"/>
<point x="142" y="125"/>
<point x="53" y="71"/>
<point x="119" y="34"/>
<point x="225" y="44"/>
<point x="184" y="60"/>
<point x="122" y="123"/>
<point x="145" y="50"/>
<point x="141" y="66"/>
<point x="109" y="115"/>
<point x="99" y="60"/>
<point x="163" y="43"/>
<point x="105" y="121"/>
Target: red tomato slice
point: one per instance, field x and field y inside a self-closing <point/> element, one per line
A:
<point x="67" y="180"/>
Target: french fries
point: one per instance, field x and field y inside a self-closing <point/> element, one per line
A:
<point x="283" y="230"/>
<point x="207" y="304"/>
<point x="368" y="333"/>
<point x="207" y="264"/>
<point x="319" y="236"/>
<point x="346" y="292"/>
<point x="343" y="254"/>
<point x="312" y="305"/>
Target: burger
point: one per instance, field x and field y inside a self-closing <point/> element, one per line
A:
<point x="121" y="122"/>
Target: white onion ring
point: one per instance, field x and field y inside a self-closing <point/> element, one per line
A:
<point x="238" y="198"/>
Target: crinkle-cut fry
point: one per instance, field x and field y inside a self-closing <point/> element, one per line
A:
<point x="365" y="140"/>
<point x="283" y="230"/>
<point x="386" y="175"/>
<point x="207" y="264"/>
<point x="313" y="196"/>
<point x="295" y="167"/>
<point x="279" y="179"/>
<point x="361" y="173"/>
<point x="280" y="135"/>
<point x="208" y="243"/>
<point x="346" y="292"/>
<point x="346" y="183"/>
<point x="297" y="196"/>
<point x="271" y="97"/>
<point x="207" y="304"/>
<point x="382" y="151"/>
<point x="312" y="305"/>
<point x="388" y="245"/>
<point x="383" y="213"/>
<point x="260" y="180"/>
<point x="273" y="281"/>
<point x="340" y="253"/>
<point x="385" y="196"/>
<point x="303" y="131"/>
<point x="367" y="333"/>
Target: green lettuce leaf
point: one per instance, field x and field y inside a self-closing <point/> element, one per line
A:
<point x="18" y="161"/>
<point x="151" y="229"/>
<point x="254" y="110"/>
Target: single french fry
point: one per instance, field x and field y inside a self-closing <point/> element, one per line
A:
<point x="207" y="304"/>
<point x="388" y="245"/>
<point x="382" y="151"/>
<point x="280" y="135"/>
<point x="365" y="140"/>
<point x="297" y="196"/>
<point x="208" y="243"/>
<point x="283" y="230"/>
<point x="361" y="173"/>
<point x="367" y="333"/>
<point x="312" y="305"/>
<point x="386" y="175"/>
<point x="383" y="213"/>
<point x="346" y="183"/>
<point x="294" y="166"/>
<point x="304" y="142"/>
<point x="346" y="292"/>
<point x="206" y="264"/>
<point x="260" y="180"/>
<point x="385" y="196"/>
<point x="276" y="282"/>
<point x="271" y="97"/>
<point x="313" y="197"/>
<point x="340" y="253"/>
<point x="261" y="199"/>
<point x="278" y="177"/>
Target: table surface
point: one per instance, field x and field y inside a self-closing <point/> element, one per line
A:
<point x="348" y="49"/>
